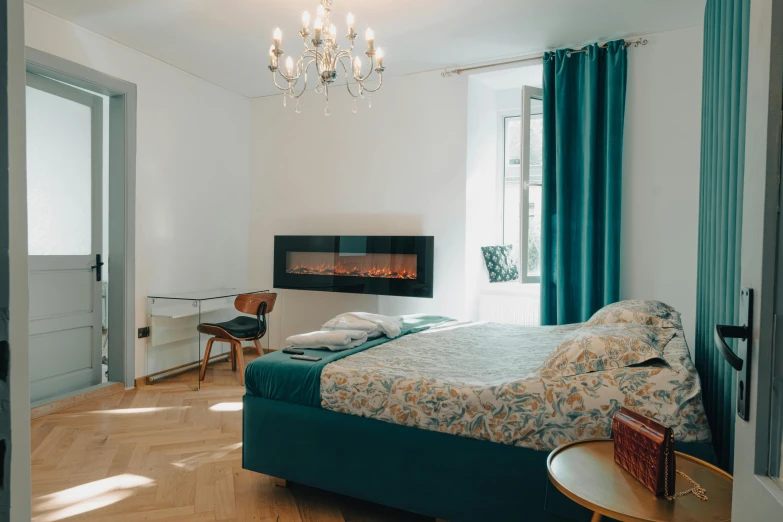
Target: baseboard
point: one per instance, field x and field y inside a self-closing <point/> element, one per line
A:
<point x="187" y="367"/>
<point x="63" y="402"/>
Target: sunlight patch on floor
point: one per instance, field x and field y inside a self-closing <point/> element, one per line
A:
<point x="88" y="497"/>
<point x="130" y="411"/>
<point x="226" y="406"/>
<point x="206" y="457"/>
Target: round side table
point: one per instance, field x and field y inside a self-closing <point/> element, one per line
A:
<point x="585" y="472"/>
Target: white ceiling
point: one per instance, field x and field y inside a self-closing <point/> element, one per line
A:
<point x="227" y="41"/>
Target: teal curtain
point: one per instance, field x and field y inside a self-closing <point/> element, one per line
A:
<point x="584" y="110"/>
<point x="724" y="82"/>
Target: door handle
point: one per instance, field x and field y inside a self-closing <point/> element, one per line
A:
<point x="740" y="361"/>
<point x="723" y="331"/>
<point x="97" y="267"/>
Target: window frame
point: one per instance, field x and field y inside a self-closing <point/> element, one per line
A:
<point x="528" y="93"/>
<point x="501" y="163"/>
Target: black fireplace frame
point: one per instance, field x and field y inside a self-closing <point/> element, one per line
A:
<point x="422" y="246"/>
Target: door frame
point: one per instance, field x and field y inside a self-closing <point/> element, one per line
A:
<point x="761" y="212"/>
<point x="122" y="201"/>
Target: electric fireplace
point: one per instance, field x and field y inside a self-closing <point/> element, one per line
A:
<point x="381" y="265"/>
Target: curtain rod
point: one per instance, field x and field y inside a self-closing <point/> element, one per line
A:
<point x="451" y="72"/>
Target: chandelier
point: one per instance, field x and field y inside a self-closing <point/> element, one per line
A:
<point x="326" y="54"/>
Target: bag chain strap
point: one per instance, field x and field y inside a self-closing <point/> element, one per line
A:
<point x="698" y="491"/>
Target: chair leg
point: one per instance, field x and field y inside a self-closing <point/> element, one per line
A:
<point x="258" y="346"/>
<point x="233" y="357"/>
<point x="207" y="351"/>
<point x="240" y="359"/>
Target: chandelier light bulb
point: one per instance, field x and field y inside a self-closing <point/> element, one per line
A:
<point x="378" y="56"/>
<point x="351" y="22"/>
<point x="305" y="19"/>
<point x="333" y="32"/>
<point x="320" y="12"/>
<point x="318" y="27"/>
<point x="278" y="37"/>
<point x="289" y="66"/>
<point x="369" y="35"/>
<point x="357" y="65"/>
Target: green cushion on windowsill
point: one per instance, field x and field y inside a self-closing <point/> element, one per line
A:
<point x="500" y="263"/>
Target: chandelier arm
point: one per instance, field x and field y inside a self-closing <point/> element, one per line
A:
<point x="362" y="80"/>
<point x="380" y="82"/>
<point x="347" y="83"/>
<point x="319" y="57"/>
<point x="304" y="87"/>
<point x="290" y="79"/>
<point x="287" y="78"/>
<point x="274" y="78"/>
<point x="350" y="58"/>
<point x="359" y="79"/>
<point x="310" y="51"/>
<point x="345" y="53"/>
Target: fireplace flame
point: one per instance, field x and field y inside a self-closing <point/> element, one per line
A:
<point x="341" y="269"/>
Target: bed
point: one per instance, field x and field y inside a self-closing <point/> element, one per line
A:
<point x="453" y="420"/>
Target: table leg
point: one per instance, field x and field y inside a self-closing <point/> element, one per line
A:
<point x="596" y="517"/>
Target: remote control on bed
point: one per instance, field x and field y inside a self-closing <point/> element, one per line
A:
<point x="305" y="358"/>
<point x="293" y="351"/>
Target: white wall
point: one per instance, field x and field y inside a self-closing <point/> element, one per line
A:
<point x="395" y="169"/>
<point x="192" y="167"/>
<point x="19" y="374"/>
<point x="484" y="209"/>
<point x="411" y="138"/>
<point x="661" y="172"/>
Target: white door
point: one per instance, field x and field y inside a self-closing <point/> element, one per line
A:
<point x="758" y="436"/>
<point x="64" y="145"/>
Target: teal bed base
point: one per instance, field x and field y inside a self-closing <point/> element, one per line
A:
<point x="453" y="478"/>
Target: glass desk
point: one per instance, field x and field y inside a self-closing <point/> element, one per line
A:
<point x="175" y="345"/>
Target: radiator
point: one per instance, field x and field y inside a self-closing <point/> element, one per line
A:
<point x="510" y="309"/>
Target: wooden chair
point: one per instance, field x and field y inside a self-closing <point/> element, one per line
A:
<point x="242" y="328"/>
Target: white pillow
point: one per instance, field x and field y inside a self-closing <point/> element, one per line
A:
<point x="636" y="311"/>
<point x="605" y="347"/>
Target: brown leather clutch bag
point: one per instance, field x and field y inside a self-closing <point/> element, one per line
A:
<point x="645" y="449"/>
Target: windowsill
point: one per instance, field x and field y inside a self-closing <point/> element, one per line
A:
<point x="512" y="288"/>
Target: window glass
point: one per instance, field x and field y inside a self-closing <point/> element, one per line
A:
<point x="534" y="188"/>
<point x="513" y="195"/>
<point x="59" y="175"/>
<point x="512" y="179"/>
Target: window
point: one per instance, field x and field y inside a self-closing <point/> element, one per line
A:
<point x="522" y="162"/>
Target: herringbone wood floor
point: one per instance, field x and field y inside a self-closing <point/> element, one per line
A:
<point x="168" y="453"/>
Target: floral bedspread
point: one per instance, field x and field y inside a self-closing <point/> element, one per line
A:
<point x="480" y="380"/>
